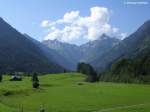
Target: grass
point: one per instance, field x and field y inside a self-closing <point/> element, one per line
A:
<point x="69" y="93"/>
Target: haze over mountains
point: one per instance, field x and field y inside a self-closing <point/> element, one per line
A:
<point x="52" y="55"/>
<point x="70" y="52"/>
<point x="84" y="53"/>
<point x="20" y="52"/>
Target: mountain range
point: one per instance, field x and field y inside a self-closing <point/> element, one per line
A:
<point x="20" y="52"/>
<point x="84" y="53"/>
<point x="105" y="51"/>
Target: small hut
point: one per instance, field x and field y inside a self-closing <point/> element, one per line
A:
<point x="16" y="78"/>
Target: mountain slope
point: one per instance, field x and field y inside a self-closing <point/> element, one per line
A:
<point x="52" y="55"/>
<point x="136" y="45"/>
<point x="18" y="53"/>
<point x="96" y="48"/>
<point x="70" y="52"/>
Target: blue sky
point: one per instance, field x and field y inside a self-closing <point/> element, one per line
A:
<point x="27" y="15"/>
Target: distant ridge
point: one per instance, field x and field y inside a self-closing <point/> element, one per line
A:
<point x="84" y="53"/>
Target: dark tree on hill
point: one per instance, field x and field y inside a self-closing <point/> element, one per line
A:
<point x="65" y="70"/>
<point x="1" y="77"/>
<point x="35" y="80"/>
<point x="88" y="70"/>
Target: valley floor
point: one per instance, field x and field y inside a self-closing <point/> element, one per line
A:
<point x="69" y="93"/>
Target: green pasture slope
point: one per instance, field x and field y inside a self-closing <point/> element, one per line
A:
<point x="69" y="93"/>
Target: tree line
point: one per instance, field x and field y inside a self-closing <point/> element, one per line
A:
<point x="129" y="70"/>
<point x="135" y="70"/>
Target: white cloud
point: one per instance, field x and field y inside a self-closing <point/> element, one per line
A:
<point x="115" y="30"/>
<point x="71" y="16"/>
<point x="45" y="23"/>
<point x="66" y="35"/>
<point x="73" y="26"/>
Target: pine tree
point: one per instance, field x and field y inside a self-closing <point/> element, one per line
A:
<point x="35" y="80"/>
<point x="1" y="77"/>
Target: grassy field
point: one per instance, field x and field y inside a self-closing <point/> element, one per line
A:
<point x="69" y="93"/>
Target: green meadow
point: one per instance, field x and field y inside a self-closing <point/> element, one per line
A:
<point x="69" y="93"/>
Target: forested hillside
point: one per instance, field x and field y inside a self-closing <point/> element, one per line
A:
<point x="18" y="53"/>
